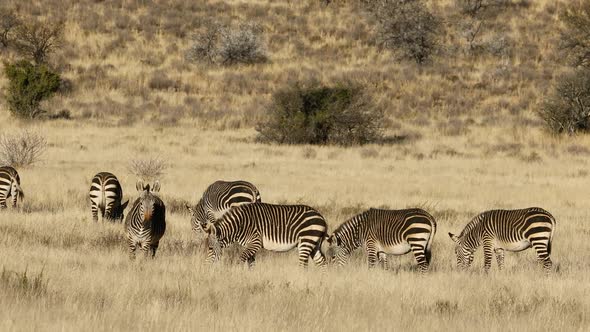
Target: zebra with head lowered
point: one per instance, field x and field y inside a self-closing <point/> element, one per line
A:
<point x="146" y="222"/>
<point x="500" y="230"/>
<point x="217" y="199"/>
<point x="9" y="186"/>
<point x="272" y="227"/>
<point x="383" y="232"/>
<point x="106" y="195"/>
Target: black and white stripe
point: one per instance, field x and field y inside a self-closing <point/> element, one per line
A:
<point x="500" y="230"/>
<point x="105" y="196"/>
<point x="9" y="186"/>
<point x="146" y="222"/>
<point x="383" y="232"/>
<point x="217" y="199"/>
<point x="272" y="227"/>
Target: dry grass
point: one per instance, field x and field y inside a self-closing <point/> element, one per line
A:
<point x="465" y="138"/>
<point x="80" y="274"/>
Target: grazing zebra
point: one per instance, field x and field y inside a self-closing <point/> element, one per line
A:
<point x="217" y="199"/>
<point x="9" y="186"/>
<point x="146" y="221"/>
<point x="106" y="195"/>
<point x="383" y="232"/>
<point x="500" y="230"/>
<point x="272" y="227"/>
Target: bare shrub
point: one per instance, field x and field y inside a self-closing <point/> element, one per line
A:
<point x="408" y="28"/>
<point x="8" y="23"/>
<point x="38" y="39"/>
<point x="228" y="45"/>
<point x="148" y="169"/>
<point x="567" y="110"/>
<point x="575" y="37"/>
<point x="160" y="81"/>
<point x="22" y="149"/>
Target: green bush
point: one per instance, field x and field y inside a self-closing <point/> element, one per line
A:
<point x="567" y="110"/>
<point x="29" y="85"/>
<point x="314" y="114"/>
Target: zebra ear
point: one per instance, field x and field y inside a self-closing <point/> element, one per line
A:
<point x="208" y="227"/>
<point x="124" y="205"/>
<point x="156" y="187"/>
<point x="453" y="237"/>
<point x="189" y="208"/>
<point x="139" y="185"/>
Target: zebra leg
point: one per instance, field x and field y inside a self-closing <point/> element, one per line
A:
<point x="371" y="254"/>
<point x="132" y="247"/>
<point x="543" y="256"/>
<point x="487" y="255"/>
<point x="154" y="248"/>
<point x="420" y="256"/>
<point x="94" y="210"/>
<point x="305" y="249"/>
<point x="382" y="257"/>
<point x="14" y="198"/>
<point x="2" y="202"/>
<point x="499" y="257"/>
<point x="211" y="256"/>
<point x="319" y="259"/>
<point x="145" y="247"/>
<point x="247" y="256"/>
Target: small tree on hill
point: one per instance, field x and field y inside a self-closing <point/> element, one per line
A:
<point x="29" y="85"/>
<point x="575" y="37"/>
<point x="36" y="40"/>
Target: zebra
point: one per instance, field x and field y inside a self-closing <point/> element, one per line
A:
<point x="106" y="195"/>
<point x="500" y="230"/>
<point x="146" y="222"/>
<point x="383" y="232"/>
<point x="10" y="186"/>
<point x="272" y="227"/>
<point x="217" y="199"/>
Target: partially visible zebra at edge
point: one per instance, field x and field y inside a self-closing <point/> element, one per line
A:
<point x="105" y="196"/>
<point x="10" y="186"/>
<point x="383" y="232"/>
<point x="217" y="199"/>
<point x="500" y="230"/>
<point x="146" y="221"/>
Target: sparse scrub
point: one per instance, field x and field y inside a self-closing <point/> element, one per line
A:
<point x="316" y="114"/>
<point x="22" y="149"/>
<point x="567" y="110"/>
<point x="575" y="37"/>
<point x="29" y="85"/>
<point x="148" y="169"/>
<point x="228" y="45"/>
<point x="408" y="28"/>
<point x="37" y="39"/>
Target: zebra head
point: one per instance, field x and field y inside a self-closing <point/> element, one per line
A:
<point x="198" y="217"/>
<point x="215" y="238"/>
<point x="338" y="251"/>
<point x="463" y="252"/>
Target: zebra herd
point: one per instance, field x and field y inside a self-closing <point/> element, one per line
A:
<point x="232" y="212"/>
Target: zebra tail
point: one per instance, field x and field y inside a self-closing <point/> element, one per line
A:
<point x="19" y="190"/>
<point x="428" y="251"/>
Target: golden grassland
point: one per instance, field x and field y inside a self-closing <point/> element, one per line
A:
<point x="469" y="141"/>
<point x="79" y="275"/>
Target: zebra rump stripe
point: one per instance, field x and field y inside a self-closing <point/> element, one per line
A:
<point x="511" y="230"/>
<point x="217" y="199"/>
<point x="146" y="222"/>
<point x="383" y="232"/>
<point x="10" y="186"/>
<point x="272" y="227"/>
<point x="105" y="196"/>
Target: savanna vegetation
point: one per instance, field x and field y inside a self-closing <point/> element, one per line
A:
<point x="463" y="107"/>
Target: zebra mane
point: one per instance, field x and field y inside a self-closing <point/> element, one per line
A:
<point x="350" y="226"/>
<point x="475" y="222"/>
